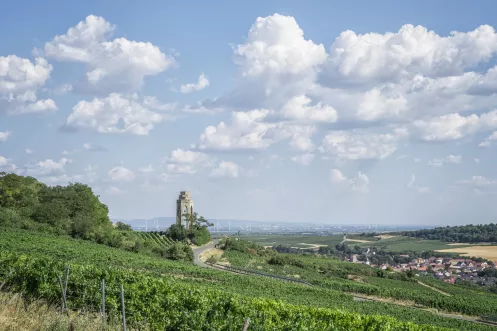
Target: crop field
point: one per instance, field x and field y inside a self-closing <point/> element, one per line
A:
<point x="401" y="243"/>
<point x="296" y="241"/>
<point x="392" y="243"/>
<point x="486" y="252"/>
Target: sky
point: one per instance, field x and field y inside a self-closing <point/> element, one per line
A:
<point x="322" y="112"/>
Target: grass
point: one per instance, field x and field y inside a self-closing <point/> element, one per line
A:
<point x="19" y="315"/>
<point x="396" y="243"/>
<point x="402" y="243"/>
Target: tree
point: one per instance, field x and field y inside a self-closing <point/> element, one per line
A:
<point x="198" y="231"/>
<point x="176" y="232"/>
<point x="196" y="221"/>
<point x="123" y="227"/>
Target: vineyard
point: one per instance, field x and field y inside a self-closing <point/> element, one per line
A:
<point x="361" y="279"/>
<point x="167" y="293"/>
<point x="157" y="238"/>
<point x="167" y="305"/>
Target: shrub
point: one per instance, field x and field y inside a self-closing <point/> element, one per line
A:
<point x="179" y="251"/>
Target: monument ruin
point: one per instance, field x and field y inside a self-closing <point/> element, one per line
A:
<point x="184" y="205"/>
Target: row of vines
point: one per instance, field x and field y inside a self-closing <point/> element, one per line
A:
<point x="167" y="305"/>
<point x="38" y="246"/>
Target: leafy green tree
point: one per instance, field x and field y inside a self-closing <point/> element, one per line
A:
<point x="176" y="232"/>
<point x="123" y="227"/>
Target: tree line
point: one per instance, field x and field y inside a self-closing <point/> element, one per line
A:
<point x="459" y="234"/>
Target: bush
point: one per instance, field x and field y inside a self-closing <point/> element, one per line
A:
<point x="277" y="260"/>
<point x="179" y="251"/>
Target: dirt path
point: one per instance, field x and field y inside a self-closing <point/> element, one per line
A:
<point x="434" y="289"/>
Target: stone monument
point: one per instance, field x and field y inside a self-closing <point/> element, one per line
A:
<point x="184" y="205"/>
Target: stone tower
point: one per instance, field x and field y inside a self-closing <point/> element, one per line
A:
<point x="184" y="205"/>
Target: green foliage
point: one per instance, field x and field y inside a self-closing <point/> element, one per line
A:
<point x="199" y="236"/>
<point x="142" y="269"/>
<point x="179" y="251"/>
<point x="176" y="232"/>
<point x="462" y="234"/>
<point x="359" y="278"/>
<point x="242" y="246"/>
<point x="197" y="232"/>
<point x="123" y="227"/>
<point x="168" y="305"/>
<point x="285" y="260"/>
<point x="71" y="210"/>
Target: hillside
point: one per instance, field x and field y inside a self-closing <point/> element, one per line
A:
<point x="209" y="297"/>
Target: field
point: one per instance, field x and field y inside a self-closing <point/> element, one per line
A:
<point x="392" y="243"/>
<point x="162" y="291"/>
<point x="486" y="252"/>
<point x="401" y="243"/>
<point x="295" y="241"/>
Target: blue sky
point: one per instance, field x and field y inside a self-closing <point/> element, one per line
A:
<point x="328" y="112"/>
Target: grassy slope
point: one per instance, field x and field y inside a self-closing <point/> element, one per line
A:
<point x="70" y="250"/>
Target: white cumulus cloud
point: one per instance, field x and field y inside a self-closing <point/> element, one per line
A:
<point x="201" y="83"/>
<point x="112" y="65"/>
<point x="113" y="114"/>
<point x="20" y="80"/>
<point x="121" y="174"/>
<point x="226" y="169"/>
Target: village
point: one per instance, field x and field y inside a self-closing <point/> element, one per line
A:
<point x="450" y="270"/>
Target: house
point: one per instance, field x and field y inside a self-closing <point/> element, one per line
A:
<point x="439" y="260"/>
<point x="438" y="267"/>
<point x="481" y="265"/>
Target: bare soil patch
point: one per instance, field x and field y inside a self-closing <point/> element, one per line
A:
<point x="358" y="240"/>
<point x="313" y="245"/>
<point x="385" y="236"/>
